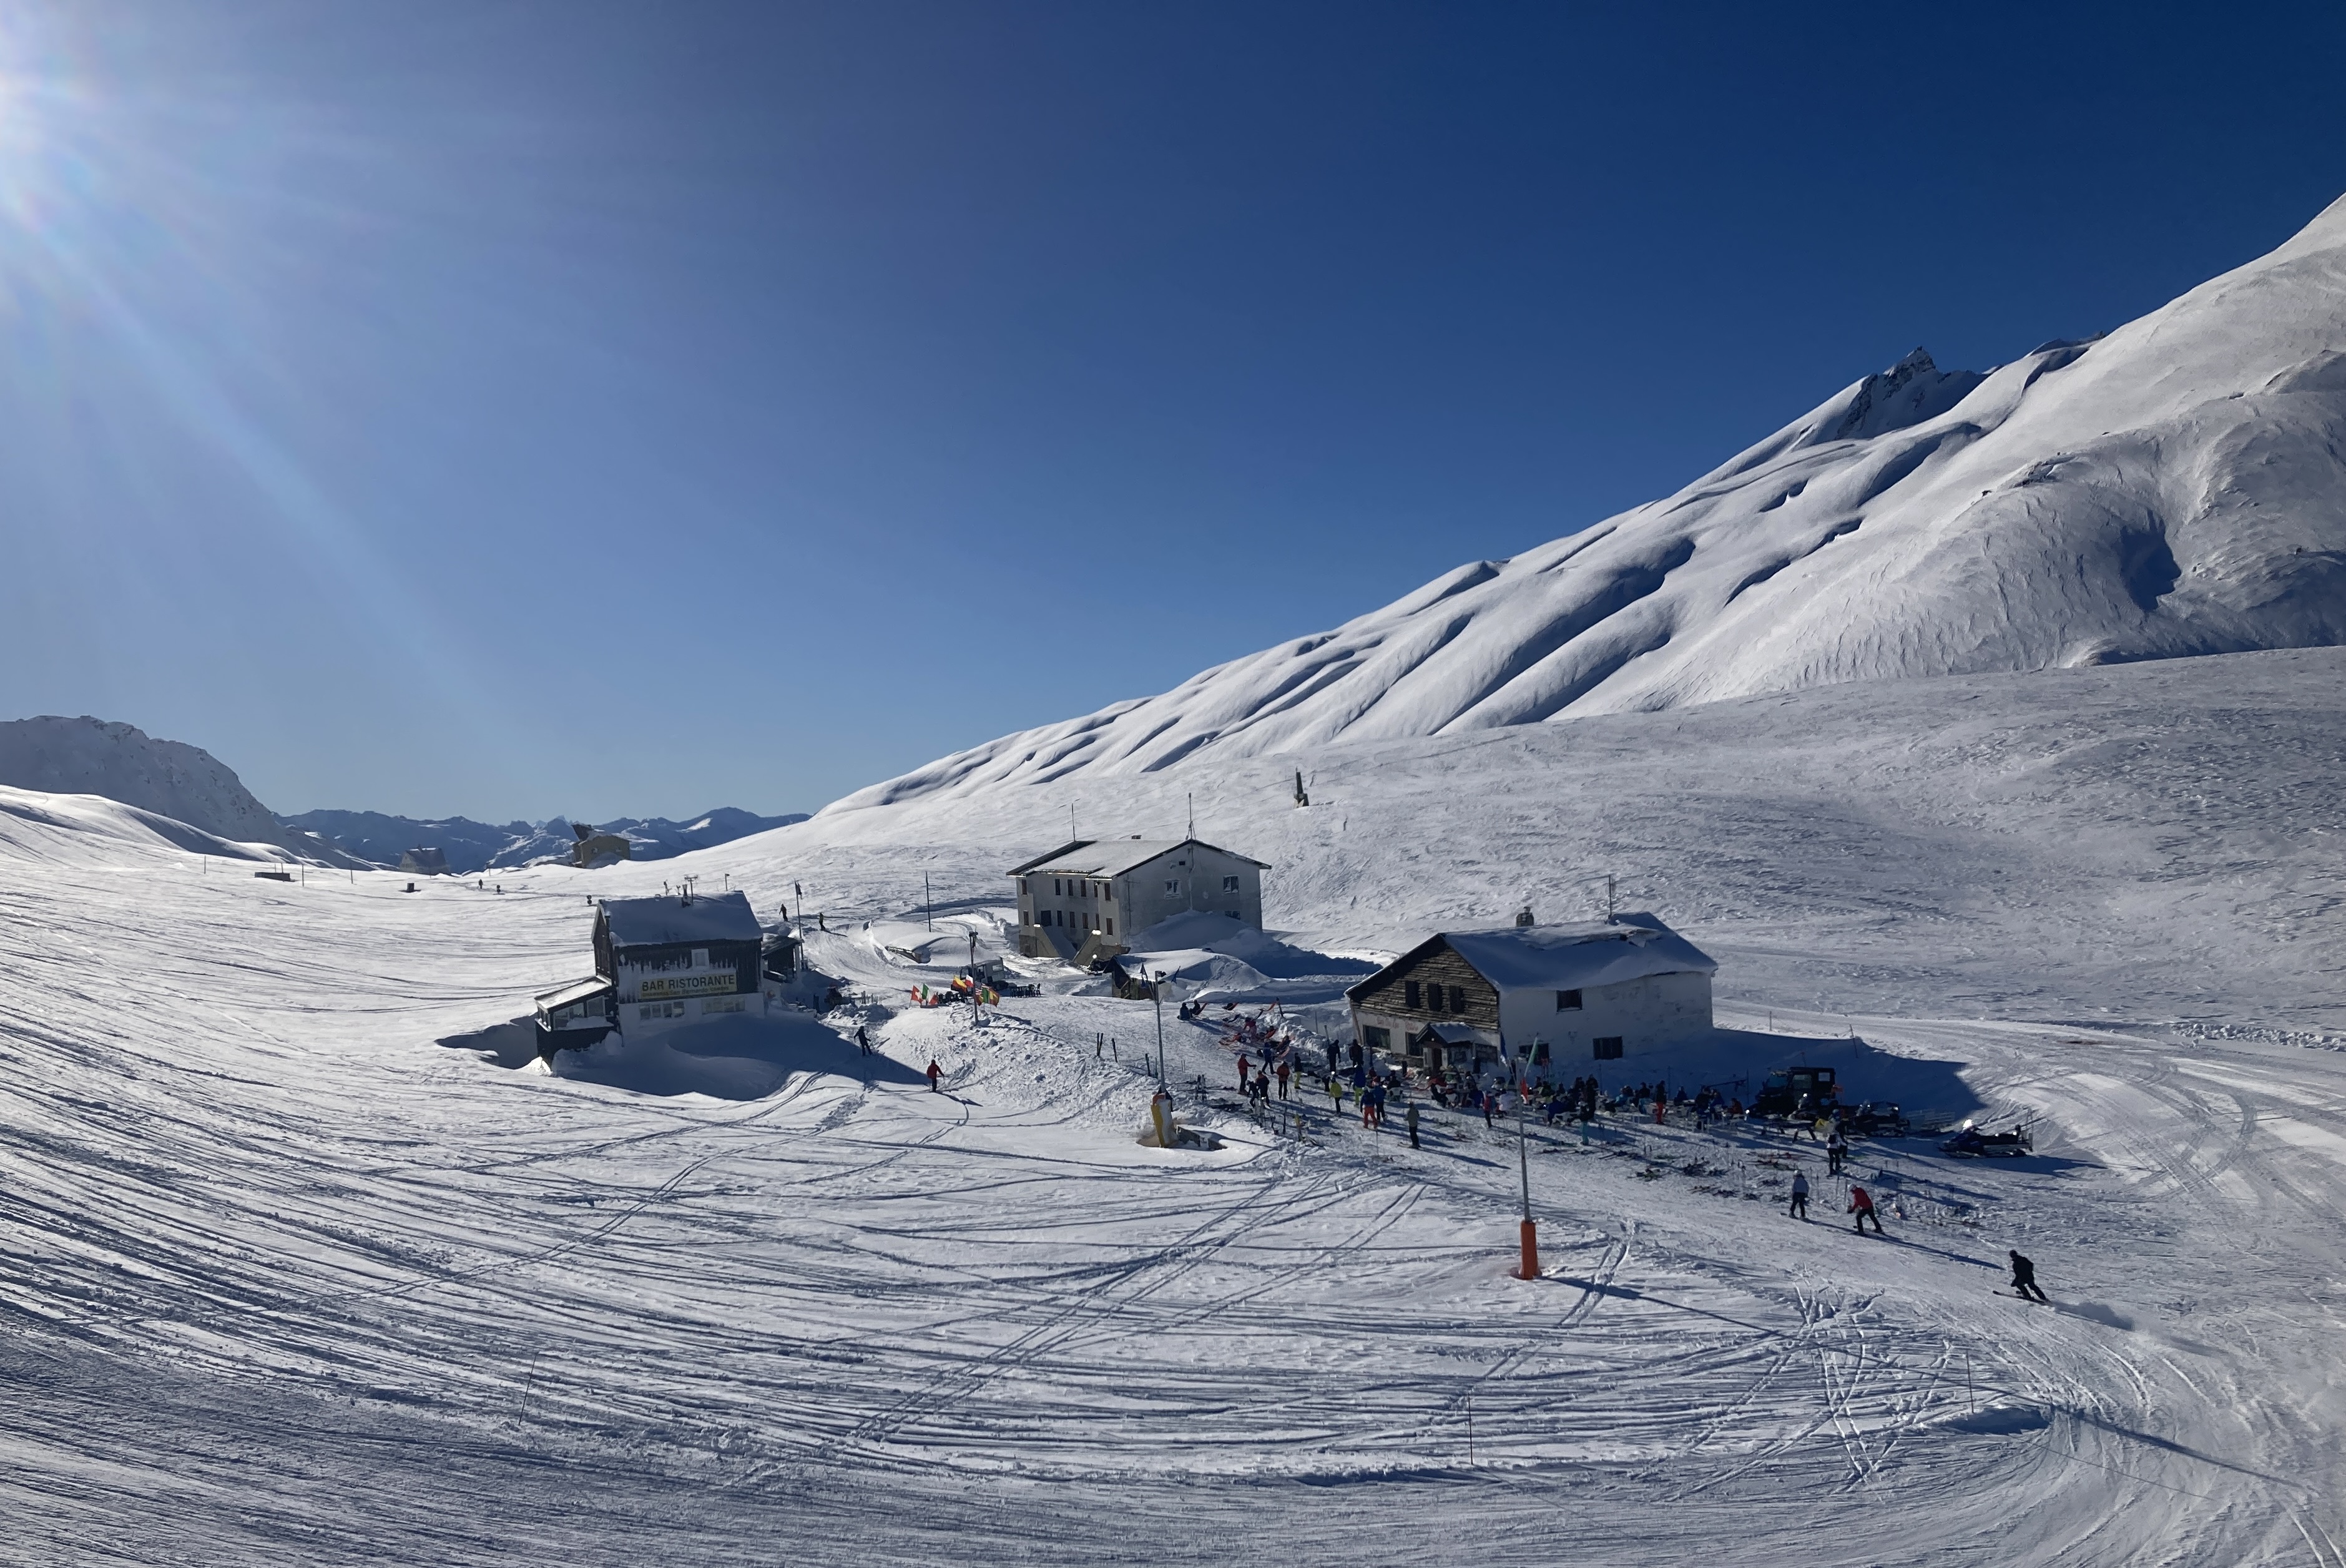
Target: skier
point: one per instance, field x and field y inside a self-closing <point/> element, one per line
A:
<point x="1412" y="1117"/>
<point x="863" y="1042"/>
<point x="1799" y="1210"/>
<point x="2023" y="1276"/>
<point x="1836" y="1149"/>
<point x="1861" y="1204"/>
<point x="1244" y="1066"/>
<point x="1285" y="1068"/>
<point x="1490" y="1105"/>
<point x="936" y="1072"/>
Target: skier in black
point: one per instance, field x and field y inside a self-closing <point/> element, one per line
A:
<point x="1799" y="1210"/>
<point x="863" y="1042"/>
<point x="2024" y="1279"/>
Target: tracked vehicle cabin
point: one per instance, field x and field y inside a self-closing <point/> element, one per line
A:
<point x="1537" y="995"/>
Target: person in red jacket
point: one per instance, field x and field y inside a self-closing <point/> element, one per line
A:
<point x="1861" y="1204"/>
<point x="936" y="1071"/>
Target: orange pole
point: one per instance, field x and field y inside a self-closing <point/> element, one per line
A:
<point x="1531" y="1268"/>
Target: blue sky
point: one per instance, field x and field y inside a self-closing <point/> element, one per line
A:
<point x="527" y="408"/>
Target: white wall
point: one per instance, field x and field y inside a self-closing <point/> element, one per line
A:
<point x="680" y="1014"/>
<point x="1647" y="1014"/>
<point x="1197" y="875"/>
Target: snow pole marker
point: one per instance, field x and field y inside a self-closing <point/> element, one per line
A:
<point x="1529" y="1267"/>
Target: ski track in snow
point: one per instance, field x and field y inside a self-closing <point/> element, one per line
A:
<point x="283" y="1277"/>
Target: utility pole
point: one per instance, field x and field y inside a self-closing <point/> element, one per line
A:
<point x="1157" y="997"/>
<point x="976" y="986"/>
<point x="1609" y="899"/>
<point x="928" y="903"/>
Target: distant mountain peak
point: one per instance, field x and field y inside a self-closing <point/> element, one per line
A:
<point x="470" y="847"/>
<point x="121" y="762"/>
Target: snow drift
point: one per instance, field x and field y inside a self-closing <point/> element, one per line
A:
<point x="2172" y="489"/>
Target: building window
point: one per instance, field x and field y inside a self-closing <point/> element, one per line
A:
<point x="1229" y="884"/>
<point x="700" y="958"/>
<point x="1111" y="925"/>
<point x="1567" y="1002"/>
<point x="1173" y="885"/>
<point x="1376" y="1039"/>
<point x="1607" y="1047"/>
<point x="1458" y="998"/>
<point x="1433" y="997"/>
<point x="1022" y="885"/>
<point x="1409" y="992"/>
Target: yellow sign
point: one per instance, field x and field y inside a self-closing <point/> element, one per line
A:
<point x="720" y="985"/>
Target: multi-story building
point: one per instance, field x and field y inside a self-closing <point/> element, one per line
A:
<point x="1117" y="887"/>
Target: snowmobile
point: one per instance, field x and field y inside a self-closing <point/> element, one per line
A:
<point x="1875" y="1119"/>
<point x="1970" y="1142"/>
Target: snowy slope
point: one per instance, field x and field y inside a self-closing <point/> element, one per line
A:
<point x="2157" y="842"/>
<point x="167" y="779"/>
<point x="2174" y="488"/>
<point x="304" y="1261"/>
<point x="38" y="826"/>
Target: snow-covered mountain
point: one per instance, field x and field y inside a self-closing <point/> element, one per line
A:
<point x="2173" y="488"/>
<point x="377" y="839"/>
<point x="165" y="779"/>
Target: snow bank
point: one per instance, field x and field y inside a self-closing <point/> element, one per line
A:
<point x="742" y="1058"/>
<point x="38" y="825"/>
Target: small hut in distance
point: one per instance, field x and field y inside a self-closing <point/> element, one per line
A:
<point x="594" y="849"/>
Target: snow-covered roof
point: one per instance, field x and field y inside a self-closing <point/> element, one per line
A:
<point x="671" y="920"/>
<point x="573" y="991"/>
<point x="1114" y="857"/>
<point x="1567" y="957"/>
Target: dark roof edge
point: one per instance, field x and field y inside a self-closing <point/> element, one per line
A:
<point x="1069" y="848"/>
<point x="1437" y="939"/>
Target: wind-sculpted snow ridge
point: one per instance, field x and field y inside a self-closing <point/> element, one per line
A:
<point x="2174" y="488"/>
<point x="47" y="827"/>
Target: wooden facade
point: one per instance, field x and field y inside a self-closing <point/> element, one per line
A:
<point x="1407" y="991"/>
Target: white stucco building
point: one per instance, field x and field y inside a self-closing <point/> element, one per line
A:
<point x="1588" y="993"/>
